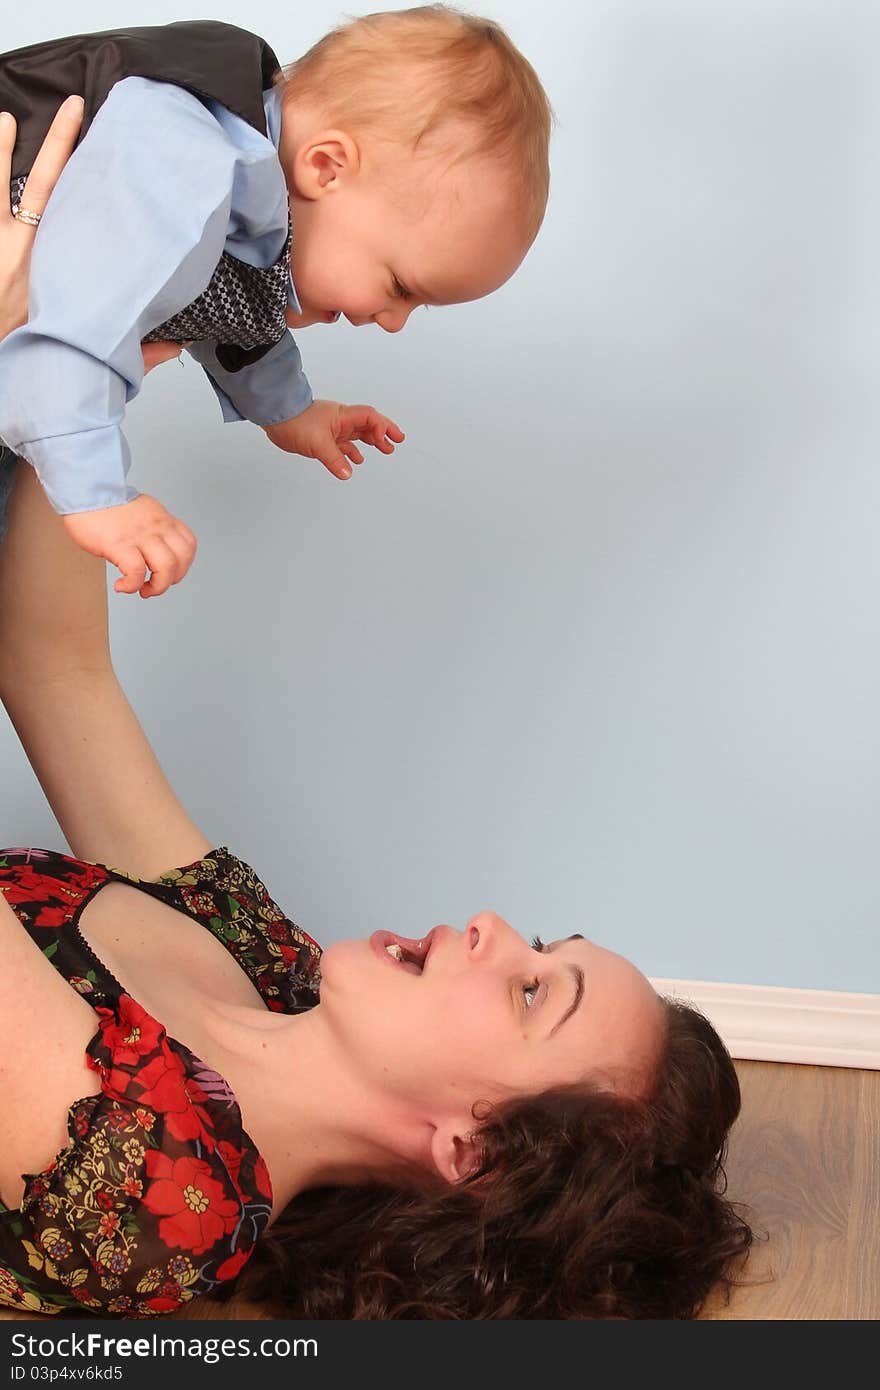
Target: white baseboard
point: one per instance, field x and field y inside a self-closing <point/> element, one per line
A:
<point x="767" y="1023"/>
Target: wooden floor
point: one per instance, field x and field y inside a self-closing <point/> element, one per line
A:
<point x="805" y="1156"/>
<point x="805" y="1159"/>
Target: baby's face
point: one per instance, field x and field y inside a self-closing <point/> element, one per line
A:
<point x="374" y="248"/>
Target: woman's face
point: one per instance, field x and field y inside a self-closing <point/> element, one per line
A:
<point x="489" y="1016"/>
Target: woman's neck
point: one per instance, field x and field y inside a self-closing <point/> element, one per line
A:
<point x="314" y="1122"/>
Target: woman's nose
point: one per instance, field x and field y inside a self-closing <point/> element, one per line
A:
<point x="482" y="930"/>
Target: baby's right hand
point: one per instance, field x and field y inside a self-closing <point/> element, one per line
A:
<point x="136" y="537"/>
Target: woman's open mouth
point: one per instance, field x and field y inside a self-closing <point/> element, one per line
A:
<point x="402" y="952"/>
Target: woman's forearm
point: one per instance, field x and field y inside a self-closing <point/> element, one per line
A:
<point x="94" y="762"/>
<point x="99" y="773"/>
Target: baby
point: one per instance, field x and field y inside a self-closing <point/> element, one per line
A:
<point x="217" y="202"/>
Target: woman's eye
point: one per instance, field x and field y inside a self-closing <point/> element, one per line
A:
<point x="529" y="992"/>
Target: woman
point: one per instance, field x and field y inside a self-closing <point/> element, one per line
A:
<point x="463" y="1126"/>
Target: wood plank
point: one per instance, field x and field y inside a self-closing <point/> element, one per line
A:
<point x="792" y="1161"/>
<point x="862" y="1272"/>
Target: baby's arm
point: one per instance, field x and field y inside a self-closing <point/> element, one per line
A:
<point x="327" y="429"/>
<point x="273" y="388"/>
<point x="68" y="374"/>
<point x="274" y="393"/>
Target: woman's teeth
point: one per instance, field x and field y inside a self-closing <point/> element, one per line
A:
<point x="410" y="966"/>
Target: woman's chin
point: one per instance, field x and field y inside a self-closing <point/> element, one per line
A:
<point x="337" y="960"/>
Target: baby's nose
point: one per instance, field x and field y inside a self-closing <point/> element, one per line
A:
<point x="392" y="320"/>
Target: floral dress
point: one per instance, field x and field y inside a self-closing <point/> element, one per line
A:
<point x="160" y="1194"/>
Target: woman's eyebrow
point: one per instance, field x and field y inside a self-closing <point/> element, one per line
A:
<point x="578" y="976"/>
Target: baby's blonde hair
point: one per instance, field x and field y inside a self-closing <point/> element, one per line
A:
<point x="407" y="74"/>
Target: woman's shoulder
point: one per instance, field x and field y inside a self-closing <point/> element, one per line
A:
<point x="230" y="898"/>
<point x="225" y="872"/>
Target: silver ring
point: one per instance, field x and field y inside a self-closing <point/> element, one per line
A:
<point x="31" y="219"/>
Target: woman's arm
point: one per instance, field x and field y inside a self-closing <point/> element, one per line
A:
<point x="92" y="758"/>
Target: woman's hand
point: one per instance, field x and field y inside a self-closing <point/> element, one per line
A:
<point x="17" y="238"/>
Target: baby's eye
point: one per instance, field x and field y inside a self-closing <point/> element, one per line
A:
<point x="537" y="944"/>
<point x="400" y="291"/>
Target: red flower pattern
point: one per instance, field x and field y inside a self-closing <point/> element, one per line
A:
<point x="158" y="1163"/>
<point x="261" y="1178"/>
<point x="232" y="1157"/>
<point x="192" y="1205"/>
<point x="57" y="897"/>
<point x="51" y="917"/>
<point x="129" y="1032"/>
<point x="167" y="1300"/>
<point x="232" y="1267"/>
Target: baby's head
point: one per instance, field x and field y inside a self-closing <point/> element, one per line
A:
<point x="414" y="143"/>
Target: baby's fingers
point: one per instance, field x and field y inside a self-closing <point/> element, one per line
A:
<point x="384" y="434"/>
<point x="351" y="451"/>
<point x="130" y="560"/>
<point x="183" y="543"/>
<point x="334" y="460"/>
<point x="366" y="423"/>
<point x="376" y="439"/>
<point x="169" y="556"/>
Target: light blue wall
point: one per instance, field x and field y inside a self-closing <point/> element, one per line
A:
<point x="599" y="647"/>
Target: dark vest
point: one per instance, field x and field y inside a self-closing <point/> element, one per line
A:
<point x="242" y="307"/>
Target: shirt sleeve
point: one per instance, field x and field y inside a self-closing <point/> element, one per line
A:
<point x="272" y="389"/>
<point x="131" y="235"/>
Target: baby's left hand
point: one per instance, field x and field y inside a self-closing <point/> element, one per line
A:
<point x="326" y="432"/>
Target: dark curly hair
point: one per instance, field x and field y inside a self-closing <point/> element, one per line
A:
<point x="585" y="1204"/>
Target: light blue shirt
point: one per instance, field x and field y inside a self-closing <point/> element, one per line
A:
<point x="159" y="187"/>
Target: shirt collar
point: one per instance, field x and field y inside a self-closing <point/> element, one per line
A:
<point x="272" y="107"/>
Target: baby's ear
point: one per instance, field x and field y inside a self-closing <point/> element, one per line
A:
<point x="455" y="1151"/>
<point x="324" y="163"/>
